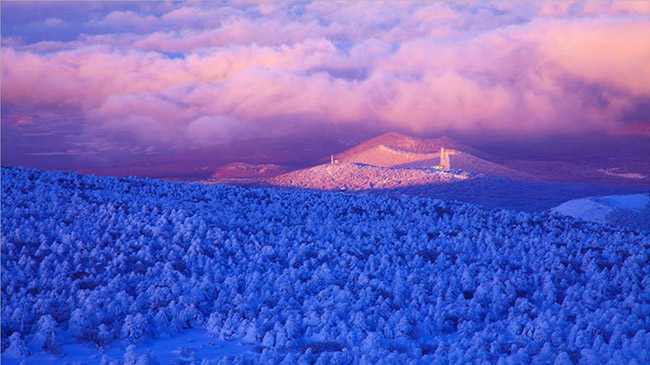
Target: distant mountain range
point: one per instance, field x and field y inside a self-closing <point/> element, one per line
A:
<point x="395" y="160"/>
<point x="244" y="173"/>
<point x="245" y="170"/>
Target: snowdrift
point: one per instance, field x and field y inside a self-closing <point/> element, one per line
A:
<point x="306" y="277"/>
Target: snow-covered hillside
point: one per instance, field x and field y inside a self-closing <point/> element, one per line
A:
<point x="377" y="151"/>
<point x="393" y="161"/>
<point x="390" y="156"/>
<point x="357" y="177"/>
<point x="519" y="195"/>
<point x="402" y="151"/>
<point x="399" y="150"/>
<point x="632" y="211"/>
<point x="467" y="162"/>
<point x="308" y="277"/>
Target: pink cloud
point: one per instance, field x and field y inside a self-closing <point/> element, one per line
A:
<point x="128" y="19"/>
<point x="212" y="129"/>
<point x="610" y="51"/>
<point x="415" y="67"/>
<point x="54" y="22"/>
<point x="615" y="7"/>
<point x="18" y="119"/>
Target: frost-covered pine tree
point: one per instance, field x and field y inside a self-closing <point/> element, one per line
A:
<point x="215" y="322"/>
<point x="17" y="346"/>
<point x="130" y="356"/>
<point x="505" y="286"/>
<point x="269" y="339"/>
<point x="104" y="336"/>
<point x="78" y="324"/>
<point x="46" y="337"/>
<point x="134" y="327"/>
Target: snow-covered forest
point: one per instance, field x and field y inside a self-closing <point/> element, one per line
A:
<point x="313" y="277"/>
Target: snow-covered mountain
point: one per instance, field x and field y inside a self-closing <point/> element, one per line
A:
<point x="393" y="149"/>
<point x="98" y="269"/>
<point x="398" y="161"/>
<point x="395" y="160"/>
<point x="357" y="177"/>
<point x="468" y="162"/>
<point x="631" y="211"/>
<point x="399" y="150"/>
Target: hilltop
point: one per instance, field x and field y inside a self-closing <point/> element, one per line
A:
<point x="358" y="177"/>
<point x="395" y="160"/>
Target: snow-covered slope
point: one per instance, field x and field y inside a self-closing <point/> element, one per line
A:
<point x="519" y="195"/>
<point x="394" y="149"/>
<point x="389" y="156"/>
<point x="402" y="145"/>
<point x="561" y="171"/>
<point x="233" y="275"/>
<point x="467" y="162"/>
<point x="393" y="161"/>
<point x="356" y="177"/>
<point x="625" y="210"/>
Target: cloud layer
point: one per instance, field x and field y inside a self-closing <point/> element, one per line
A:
<point x="194" y="75"/>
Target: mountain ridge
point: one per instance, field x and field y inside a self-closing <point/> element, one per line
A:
<point x="406" y="142"/>
<point x="411" y="160"/>
<point x="246" y="170"/>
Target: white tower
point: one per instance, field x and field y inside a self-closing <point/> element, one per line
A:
<point x="444" y="159"/>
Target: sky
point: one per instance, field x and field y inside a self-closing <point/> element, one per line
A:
<point x="164" y="88"/>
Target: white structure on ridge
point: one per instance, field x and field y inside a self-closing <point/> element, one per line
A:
<point x="444" y="159"/>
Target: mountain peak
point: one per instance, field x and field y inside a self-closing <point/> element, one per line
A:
<point x="393" y="148"/>
<point x="395" y="138"/>
<point x="395" y="135"/>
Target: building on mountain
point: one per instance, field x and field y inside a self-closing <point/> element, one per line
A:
<point x="444" y="159"/>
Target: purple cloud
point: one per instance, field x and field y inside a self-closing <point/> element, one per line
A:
<point x="195" y="75"/>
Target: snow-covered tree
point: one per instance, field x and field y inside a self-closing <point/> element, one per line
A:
<point x="301" y="274"/>
<point x="17" y="346"/>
